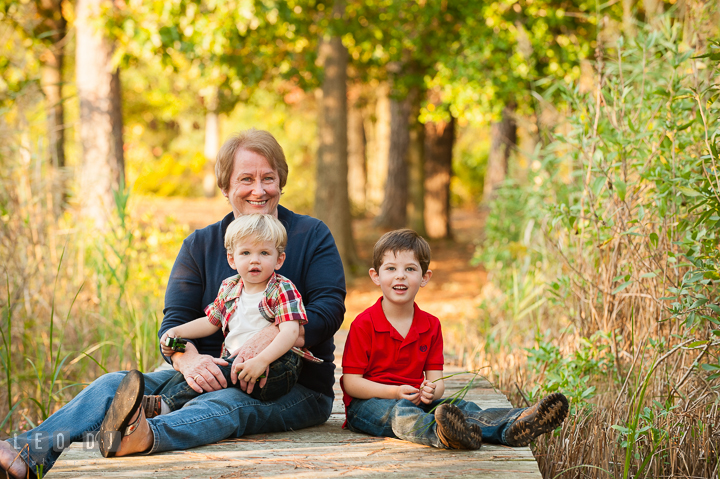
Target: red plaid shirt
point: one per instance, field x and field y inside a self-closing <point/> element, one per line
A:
<point x="281" y="302"/>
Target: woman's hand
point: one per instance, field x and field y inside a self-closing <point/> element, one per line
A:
<point x="201" y="371"/>
<point x="249" y="350"/>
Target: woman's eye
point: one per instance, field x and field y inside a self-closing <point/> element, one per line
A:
<point x="269" y="179"/>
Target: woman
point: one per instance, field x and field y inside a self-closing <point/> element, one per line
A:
<point x="251" y="172"/>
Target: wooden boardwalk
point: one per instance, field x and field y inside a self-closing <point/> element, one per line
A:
<point x="318" y="452"/>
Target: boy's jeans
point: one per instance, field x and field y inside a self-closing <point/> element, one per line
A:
<point x="404" y="420"/>
<point x="208" y="418"/>
<point x="283" y="375"/>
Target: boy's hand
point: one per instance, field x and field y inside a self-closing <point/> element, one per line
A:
<point x="407" y="392"/>
<point x="249" y="372"/>
<point x="427" y="391"/>
<point x="170" y="333"/>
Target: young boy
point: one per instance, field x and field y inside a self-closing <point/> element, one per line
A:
<point x="393" y="365"/>
<point x="255" y="298"/>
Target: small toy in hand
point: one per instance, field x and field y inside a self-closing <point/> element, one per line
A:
<point x="176" y="344"/>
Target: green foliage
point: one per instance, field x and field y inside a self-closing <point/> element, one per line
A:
<point x="577" y="375"/>
<point x="625" y="196"/>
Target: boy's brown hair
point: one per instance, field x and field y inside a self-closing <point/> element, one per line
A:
<point x="402" y="240"/>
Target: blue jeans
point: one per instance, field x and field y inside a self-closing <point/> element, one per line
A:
<point x="210" y="417"/>
<point x="402" y="419"/>
<point x="283" y="375"/>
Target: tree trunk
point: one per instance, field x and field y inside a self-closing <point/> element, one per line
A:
<point x="503" y="138"/>
<point x="379" y="148"/>
<point x="393" y="213"/>
<point x="100" y="119"/>
<point x="212" y="146"/>
<point x="357" y="178"/>
<point x="332" y="204"/>
<point x="439" y="140"/>
<point x="416" y="166"/>
<point x="54" y="26"/>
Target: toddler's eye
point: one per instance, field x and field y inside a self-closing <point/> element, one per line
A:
<point x="245" y="253"/>
<point x="265" y="253"/>
<point x="410" y="268"/>
<point x="391" y="268"/>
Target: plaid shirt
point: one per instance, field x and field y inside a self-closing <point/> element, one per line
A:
<point x="281" y="302"/>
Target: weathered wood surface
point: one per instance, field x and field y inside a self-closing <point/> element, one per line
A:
<point x="318" y="452"/>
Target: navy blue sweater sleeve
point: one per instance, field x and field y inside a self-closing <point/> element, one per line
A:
<point x="325" y="289"/>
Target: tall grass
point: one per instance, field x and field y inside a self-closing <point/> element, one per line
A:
<point x="616" y="226"/>
<point x="75" y="304"/>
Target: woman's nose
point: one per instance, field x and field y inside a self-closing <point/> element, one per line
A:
<point x="258" y="188"/>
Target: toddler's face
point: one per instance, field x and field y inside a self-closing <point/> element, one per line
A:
<point x="255" y="261"/>
<point x="400" y="277"/>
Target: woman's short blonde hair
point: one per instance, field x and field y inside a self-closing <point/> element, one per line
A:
<point x="257" y="228"/>
<point x="257" y="141"/>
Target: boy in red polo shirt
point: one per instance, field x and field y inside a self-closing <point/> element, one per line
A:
<point x="393" y="365"/>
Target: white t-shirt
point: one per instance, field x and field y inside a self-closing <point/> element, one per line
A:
<point x="246" y="321"/>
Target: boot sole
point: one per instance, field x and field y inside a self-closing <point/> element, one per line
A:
<point x="126" y="402"/>
<point x="548" y="415"/>
<point x="453" y="430"/>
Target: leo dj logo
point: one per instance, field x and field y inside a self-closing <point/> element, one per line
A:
<point x="423" y="348"/>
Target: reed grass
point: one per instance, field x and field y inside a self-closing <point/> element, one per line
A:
<point x="75" y="304"/>
<point x="609" y="290"/>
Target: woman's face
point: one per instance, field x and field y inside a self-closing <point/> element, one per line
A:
<point x="254" y="185"/>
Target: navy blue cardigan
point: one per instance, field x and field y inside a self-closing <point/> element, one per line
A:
<point x="312" y="263"/>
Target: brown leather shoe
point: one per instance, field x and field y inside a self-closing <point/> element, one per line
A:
<point x="543" y="417"/>
<point x="138" y="436"/>
<point x="124" y="409"/>
<point x="454" y="431"/>
<point x="11" y="463"/>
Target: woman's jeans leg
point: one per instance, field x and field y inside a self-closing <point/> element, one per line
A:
<point x="404" y="420"/>
<point x="76" y="421"/>
<point x="217" y="415"/>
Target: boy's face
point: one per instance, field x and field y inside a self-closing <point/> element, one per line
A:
<point x="400" y="277"/>
<point x="255" y="261"/>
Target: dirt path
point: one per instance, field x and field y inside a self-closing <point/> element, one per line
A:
<point x="452" y="294"/>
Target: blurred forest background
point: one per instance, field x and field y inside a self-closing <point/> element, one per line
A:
<point x="586" y="133"/>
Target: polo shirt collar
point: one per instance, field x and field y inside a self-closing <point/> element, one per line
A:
<point x="380" y="323"/>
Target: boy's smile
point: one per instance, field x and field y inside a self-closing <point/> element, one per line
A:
<point x="255" y="261"/>
<point x="400" y="277"/>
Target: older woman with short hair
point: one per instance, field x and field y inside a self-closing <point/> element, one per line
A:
<point x="251" y="171"/>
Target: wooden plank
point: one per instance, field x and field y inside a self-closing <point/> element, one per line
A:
<point x="318" y="452"/>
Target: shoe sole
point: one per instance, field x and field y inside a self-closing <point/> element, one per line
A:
<point x="126" y="402"/>
<point x="549" y="414"/>
<point x="453" y="430"/>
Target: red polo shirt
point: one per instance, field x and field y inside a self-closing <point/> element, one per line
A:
<point x="376" y="350"/>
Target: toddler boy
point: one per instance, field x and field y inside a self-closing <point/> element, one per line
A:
<point x="248" y="302"/>
<point x="393" y="366"/>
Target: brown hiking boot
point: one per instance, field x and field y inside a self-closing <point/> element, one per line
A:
<point x="453" y="430"/>
<point x="543" y="417"/>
